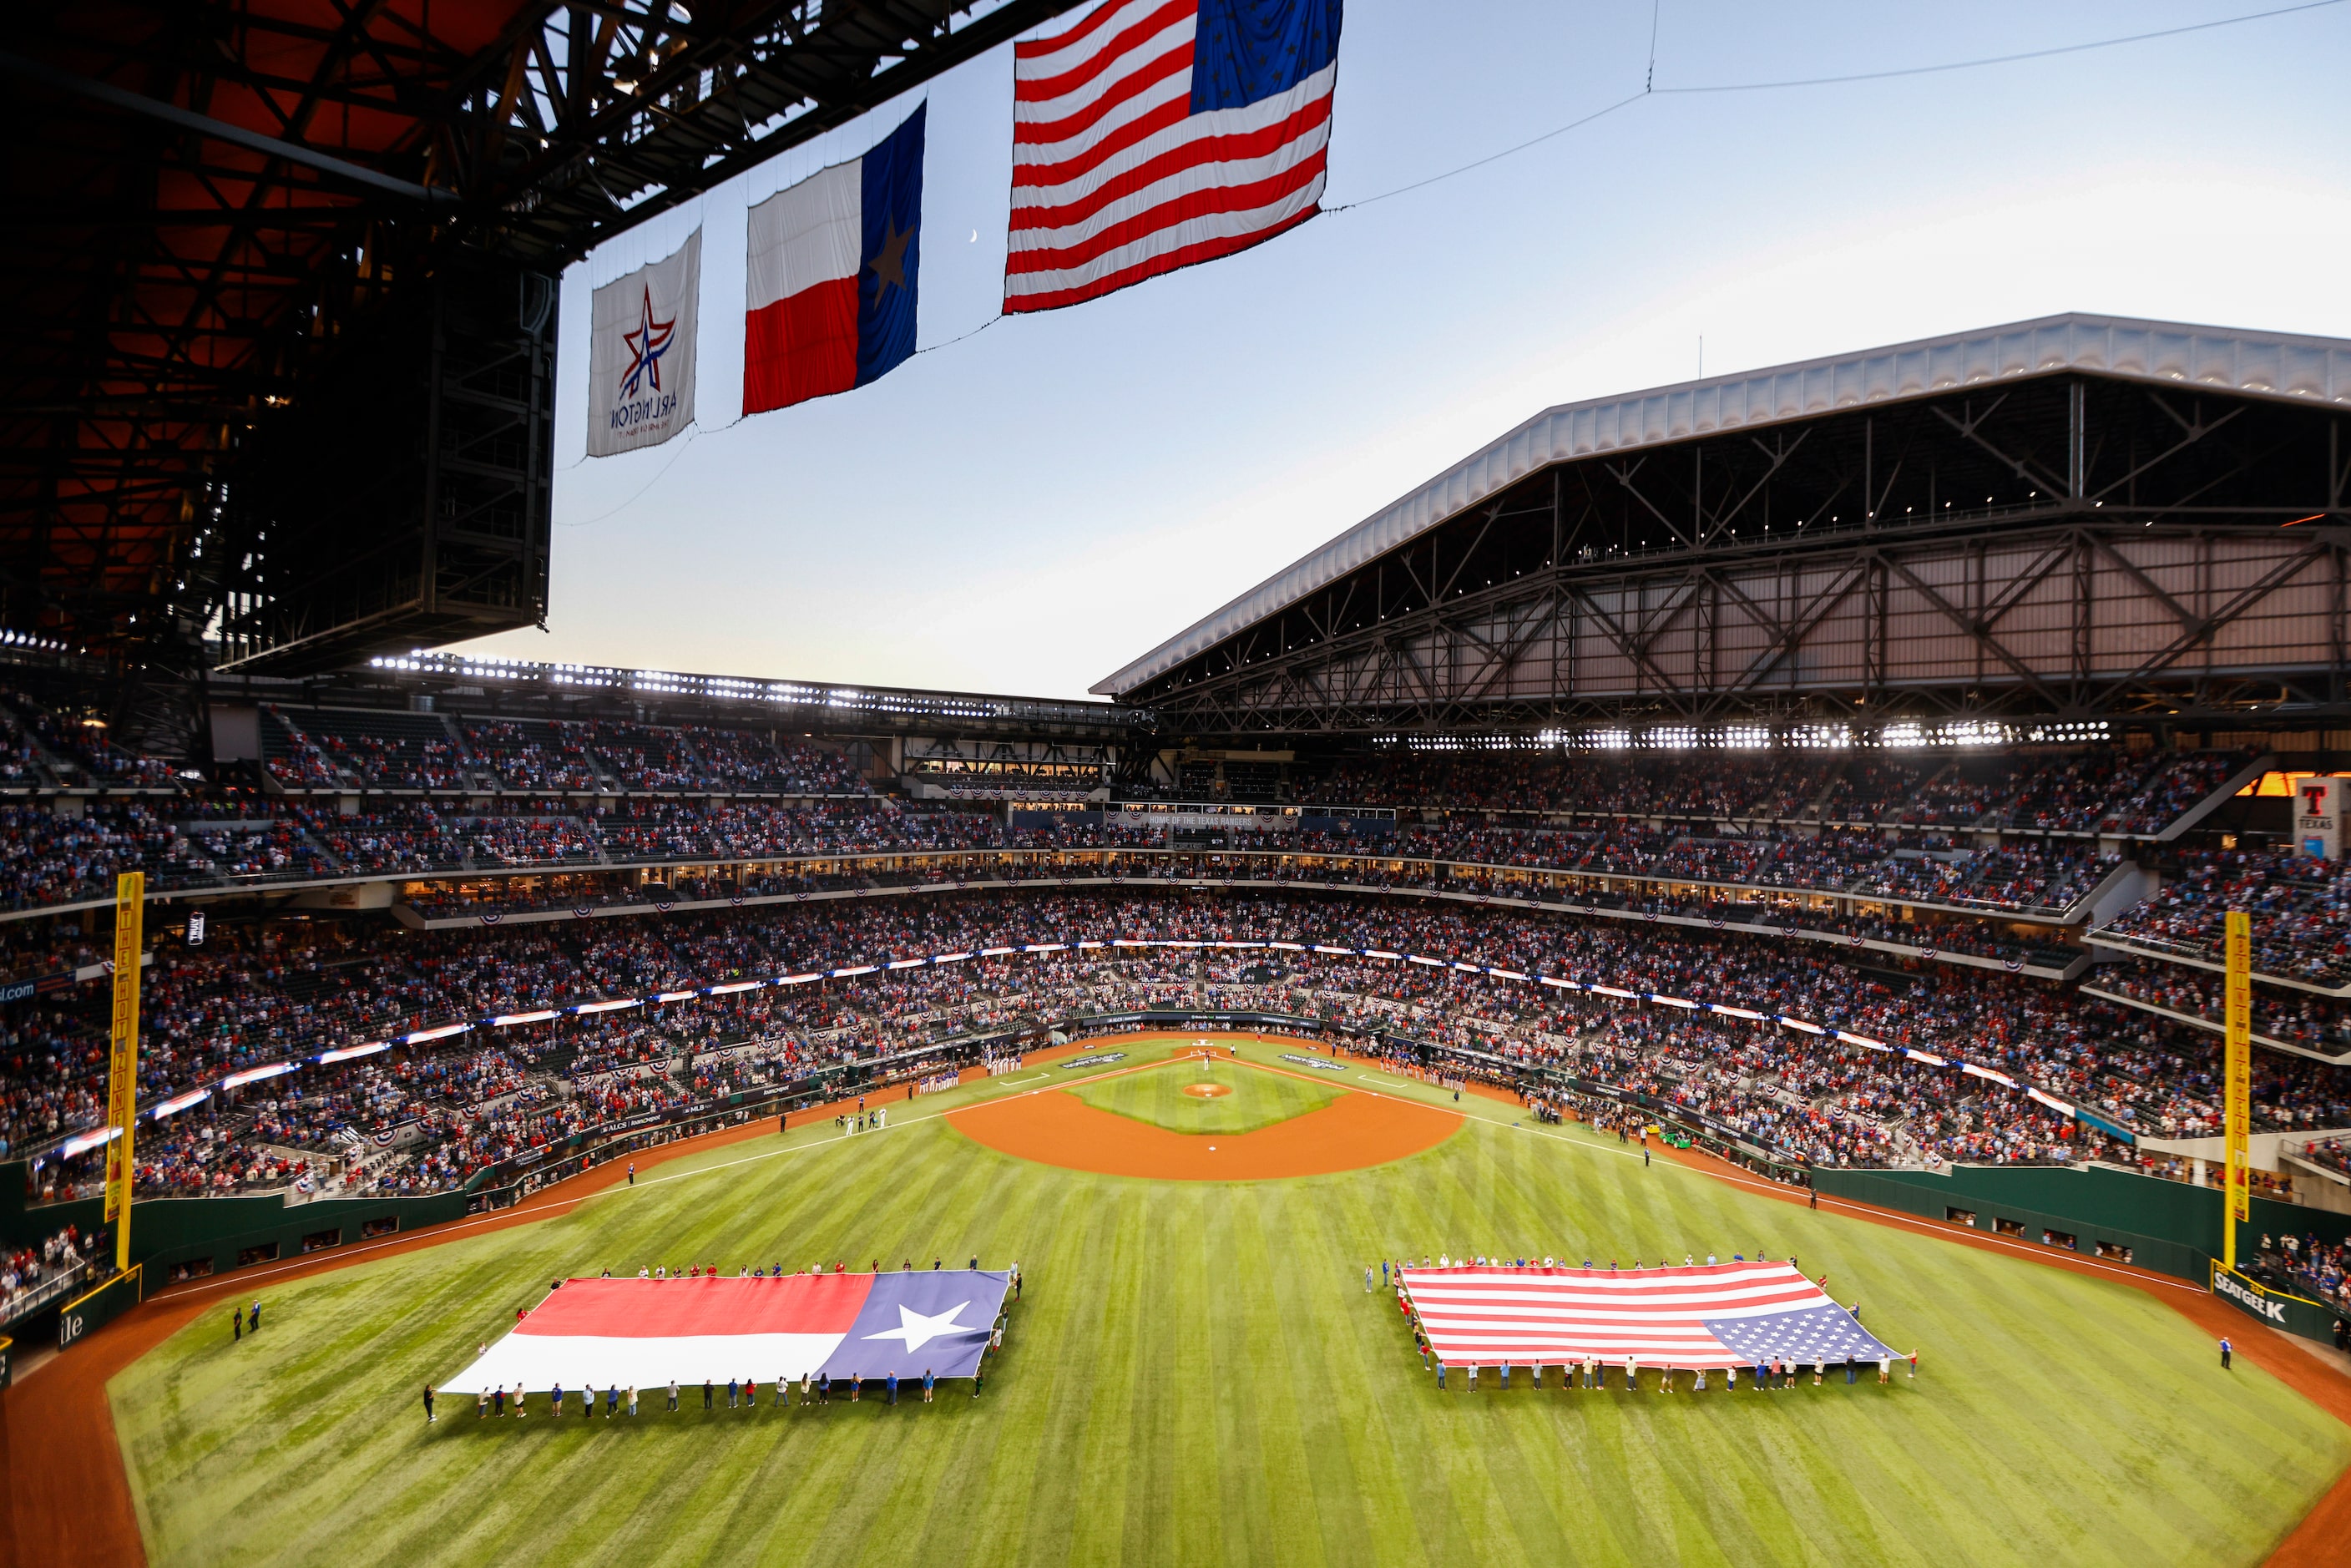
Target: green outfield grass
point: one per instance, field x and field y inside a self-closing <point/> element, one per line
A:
<point x="1254" y="1098"/>
<point x="1198" y="1376"/>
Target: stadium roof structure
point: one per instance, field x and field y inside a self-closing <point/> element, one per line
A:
<point x="283" y="280"/>
<point x="1429" y="613"/>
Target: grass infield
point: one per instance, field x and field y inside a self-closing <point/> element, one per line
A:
<point x="1198" y="1376"/>
<point x="1254" y="1097"/>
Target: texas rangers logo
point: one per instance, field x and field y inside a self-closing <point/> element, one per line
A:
<point x="646" y="345"/>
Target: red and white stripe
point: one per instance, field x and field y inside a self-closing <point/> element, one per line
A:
<point x="1485" y="1316"/>
<point x="1114" y="180"/>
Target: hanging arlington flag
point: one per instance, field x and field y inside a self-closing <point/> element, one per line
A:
<point x="641" y="333"/>
<point x="829" y="291"/>
<point x="646" y="1333"/>
<point x="1157" y="133"/>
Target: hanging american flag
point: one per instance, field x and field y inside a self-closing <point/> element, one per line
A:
<point x="1157" y="133"/>
<point x="1729" y="1315"/>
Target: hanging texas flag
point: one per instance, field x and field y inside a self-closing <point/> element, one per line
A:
<point x="830" y="286"/>
<point x="645" y="1333"/>
<point x="1157" y="133"/>
<point x="641" y="338"/>
<point x="1727" y="1314"/>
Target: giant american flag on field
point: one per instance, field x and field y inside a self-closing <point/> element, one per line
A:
<point x="1727" y="1314"/>
<point x="1152" y="134"/>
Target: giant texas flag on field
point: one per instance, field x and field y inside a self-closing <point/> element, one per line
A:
<point x="645" y="1333"/>
<point x="829" y="292"/>
<point x="1152" y="134"/>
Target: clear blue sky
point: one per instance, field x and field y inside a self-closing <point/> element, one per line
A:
<point x="1028" y="510"/>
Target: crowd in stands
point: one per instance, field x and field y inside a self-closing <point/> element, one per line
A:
<point x="2308" y="1265"/>
<point x="327" y="748"/>
<point x="425" y="1117"/>
<point x="2294" y="1018"/>
<point x="74" y="752"/>
<point x="2016" y="877"/>
<point x="2104" y="790"/>
<point x="27" y="1268"/>
<point x="2300" y="909"/>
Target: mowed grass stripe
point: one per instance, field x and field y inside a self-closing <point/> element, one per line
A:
<point x="1198" y="1376"/>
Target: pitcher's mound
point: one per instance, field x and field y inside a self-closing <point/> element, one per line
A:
<point x="1057" y="1128"/>
<point x="1208" y="1090"/>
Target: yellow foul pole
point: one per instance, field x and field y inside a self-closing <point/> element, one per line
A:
<point x="123" y="1073"/>
<point x="2237" y="1016"/>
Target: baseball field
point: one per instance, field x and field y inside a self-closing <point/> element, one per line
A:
<point x="1196" y="1375"/>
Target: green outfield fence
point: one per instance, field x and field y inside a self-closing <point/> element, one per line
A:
<point x="183" y="1238"/>
<point x="2279" y="1309"/>
<point x="2169" y="1226"/>
<point x="98" y="1305"/>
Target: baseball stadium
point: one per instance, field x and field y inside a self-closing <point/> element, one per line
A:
<point x="1824" y="879"/>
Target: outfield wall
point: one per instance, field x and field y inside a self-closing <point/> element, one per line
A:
<point x="2169" y="1226"/>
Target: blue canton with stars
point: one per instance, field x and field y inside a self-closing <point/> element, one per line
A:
<point x="1807" y="1335"/>
<point x="1245" y="51"/>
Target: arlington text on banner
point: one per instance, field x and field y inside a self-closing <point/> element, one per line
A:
<point x="643" y="329"/>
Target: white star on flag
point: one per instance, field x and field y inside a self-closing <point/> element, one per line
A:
<point x="918" y="1329"/>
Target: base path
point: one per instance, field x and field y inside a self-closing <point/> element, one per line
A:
<point x="1053" y="1127"/>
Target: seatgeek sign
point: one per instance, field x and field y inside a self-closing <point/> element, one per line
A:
<point x="2249" y="1297"/>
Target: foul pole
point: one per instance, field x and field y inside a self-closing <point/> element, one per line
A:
<point x="123" y="1070"/>
<point x="2237" y="1075"/>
